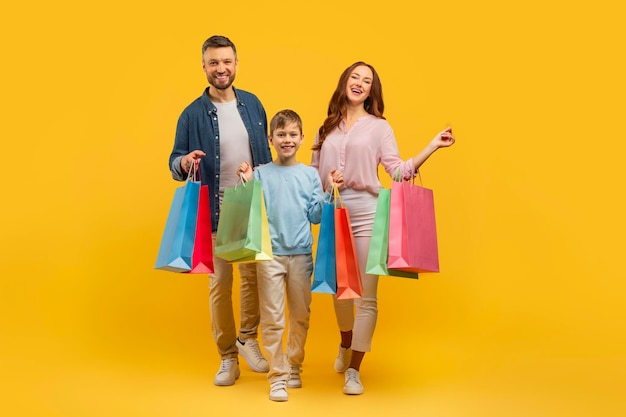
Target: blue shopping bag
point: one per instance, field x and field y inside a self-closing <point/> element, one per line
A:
<point x="324" y="271"/>
<point x="176" y="248"/>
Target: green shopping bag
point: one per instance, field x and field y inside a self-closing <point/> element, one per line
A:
<point x="266" y="253"/>
<point x="243" y="225"/>
<point x="379" y="243"/>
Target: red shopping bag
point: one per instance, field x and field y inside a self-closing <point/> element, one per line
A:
<point x="347" y="265"/>
<point x="412" y="229"/>
<point x="202" y="258"/>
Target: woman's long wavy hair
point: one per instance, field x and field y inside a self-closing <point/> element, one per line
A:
<point x="338" y="105"/>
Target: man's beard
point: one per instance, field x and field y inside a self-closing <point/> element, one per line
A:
<point x="222" y="86"/>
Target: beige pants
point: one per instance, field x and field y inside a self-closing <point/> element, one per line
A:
<point x="285" y="278"/>
<point x="221" y="304"/>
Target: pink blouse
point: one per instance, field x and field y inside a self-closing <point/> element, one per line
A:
<point x="358" y="152"/>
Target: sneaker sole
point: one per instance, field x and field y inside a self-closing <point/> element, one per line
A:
<point x="353" y="391"/>
<point x="279" y="399"/>
<point x="227" y="383"/>
<point x="252" y="365"/>
<point x="342" y="370"/>
<point x="294" y="384"/>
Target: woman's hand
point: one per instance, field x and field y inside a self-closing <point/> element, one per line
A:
<point x="335" y="177"/>
<point x="443" y="139"/>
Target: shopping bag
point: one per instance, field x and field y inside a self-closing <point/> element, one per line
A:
<point x="202" y="259"/>
<point x="379" y="244"/>
<point x="347" y="265"/>
<point x="412" y="229"/>
<point x="243" y="225"/>
<point x="266" y="252"/>
<point x="324" y="273"/>
<point x="176" y="248"/>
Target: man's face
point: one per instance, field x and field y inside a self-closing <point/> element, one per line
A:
<point x="220" y="66"/>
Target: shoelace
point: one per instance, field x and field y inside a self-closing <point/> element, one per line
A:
<point x="352" y="377"/>
<point x="254" y="347"/>
<point x="225" y="366"/>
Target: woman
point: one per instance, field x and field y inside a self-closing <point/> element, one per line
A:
<point x="355" y="138"/>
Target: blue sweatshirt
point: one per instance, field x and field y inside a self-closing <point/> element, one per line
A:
<point x="293" y="200"/>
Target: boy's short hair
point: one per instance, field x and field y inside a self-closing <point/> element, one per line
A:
<point x="282" y="118"/>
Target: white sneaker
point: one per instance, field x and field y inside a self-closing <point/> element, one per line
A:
<point x="353" y="384"/>
<point x="228" y="372"/>
<point x="294" y="377"/>
<point x="251" y="352"/>
<point x="278" y="391"/>
<point x="343" y="359"/>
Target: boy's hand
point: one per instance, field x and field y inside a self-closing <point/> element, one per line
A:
<point x="246" y="170"/>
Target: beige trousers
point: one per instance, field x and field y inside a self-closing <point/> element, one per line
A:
<point x="284" y="280"/>
<point x="221" y="305"/>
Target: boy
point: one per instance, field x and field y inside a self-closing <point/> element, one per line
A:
<point x="293" y="199"/>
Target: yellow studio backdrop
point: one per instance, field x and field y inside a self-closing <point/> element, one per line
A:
<point x="525" y="318"/>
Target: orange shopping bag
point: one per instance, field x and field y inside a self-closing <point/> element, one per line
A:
<point x="347" y="265"/>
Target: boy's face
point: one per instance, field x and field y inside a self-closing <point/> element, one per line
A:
<point x="287" y="140"/>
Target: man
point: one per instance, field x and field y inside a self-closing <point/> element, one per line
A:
<point x="217" y="131"/>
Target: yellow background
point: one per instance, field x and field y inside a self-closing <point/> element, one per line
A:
<point x="527" y="315"/>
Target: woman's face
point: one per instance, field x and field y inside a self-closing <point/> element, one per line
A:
<point x="359" y="85"/>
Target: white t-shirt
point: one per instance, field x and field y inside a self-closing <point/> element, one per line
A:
<point x="234" y="144"/>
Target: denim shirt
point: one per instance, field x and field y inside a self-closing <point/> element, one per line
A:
<point x="198" y="128"/>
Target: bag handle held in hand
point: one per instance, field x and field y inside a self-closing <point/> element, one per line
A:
<point x="398" y="176"/>
<point x="194" y="172"/>
<point x="337" y="196"/>
<point x="242" y="180"/>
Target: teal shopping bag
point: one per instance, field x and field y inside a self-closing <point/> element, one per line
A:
<point x="177" y="243"/>
<point x="324" y="270"/>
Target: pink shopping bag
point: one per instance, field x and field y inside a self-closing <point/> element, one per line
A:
<point x="412" y="229"/>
